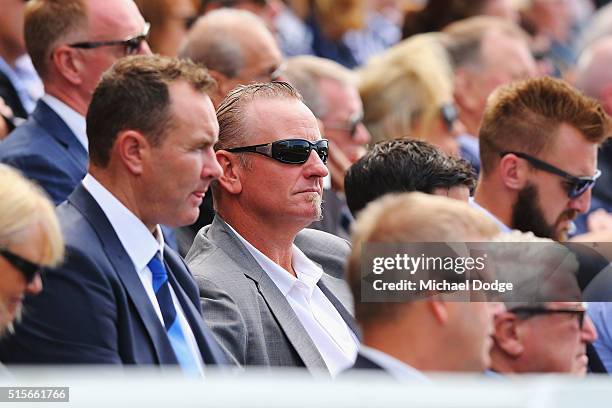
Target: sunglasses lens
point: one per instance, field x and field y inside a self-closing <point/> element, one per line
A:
<point x="291" y="151"/>
<point x="580" y="188"/>
<point x="322" y="150"/>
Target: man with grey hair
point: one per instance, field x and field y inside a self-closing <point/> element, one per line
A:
<point x="330" y="91"/>
<point x="236" y="47"/>
<point x="486" y="52"/>
<point x="545" y="327"/>
<point x="271" y="290"/>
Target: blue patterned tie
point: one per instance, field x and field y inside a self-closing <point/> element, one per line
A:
<point x="177" y="337"/>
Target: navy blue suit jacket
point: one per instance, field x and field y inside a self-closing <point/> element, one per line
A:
<point x="45" y="150"/>
<point x="94" y="309"/>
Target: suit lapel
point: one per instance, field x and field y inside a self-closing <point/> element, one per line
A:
<point x="57" y="128"/>
<point x="346" y="316"/>
<point x="124" y="268"/>
<point x="179" y="279"/>
<point x="280" y="308"/>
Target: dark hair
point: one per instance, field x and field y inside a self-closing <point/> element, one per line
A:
<point x="134" y="94"/>
<point x="437" y="14"/>
<point x="403" y="165"/>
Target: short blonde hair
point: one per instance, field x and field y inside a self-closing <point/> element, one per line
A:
<point x="411" y="81"/>
<point x="22" y="205"/>
<point x="405" y="218"/>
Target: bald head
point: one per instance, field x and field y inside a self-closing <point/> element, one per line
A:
<point x="235" y="46"/>
<point x="593" y="75"/>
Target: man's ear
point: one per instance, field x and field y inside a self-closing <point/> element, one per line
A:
<point x="606" y="97"/>
<point x="230" y="177"/>
<point x="439" y="309"/>
<point x="508" y="334"/>
<point x="514" y="172"/>
<point x="223" y="84"/>
<point x="68" y="63"/>
<point x="134" y="150"/>
<point x="465" y="91"/>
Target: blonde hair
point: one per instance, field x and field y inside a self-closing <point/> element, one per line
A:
<point x="23" y="205"/>
<point x="404" y="218"/>
<point x="410" y="82"/>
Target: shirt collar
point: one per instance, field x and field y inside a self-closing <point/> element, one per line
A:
<point x="307" y="271"/>
<point x="397" y="368"/>
<point x="136" y="239"/>
<point x="74" y="120"/>
<point x="503" y="227"/>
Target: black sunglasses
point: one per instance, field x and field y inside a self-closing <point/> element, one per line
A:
<point x="27" y="268"/>
<point x="449" y="114"/>
<point x="528" y="311"/>
<point x="575" y="186"/>
<point x="132" y="45"/>
<point x="291" y="151"/>
<point x="349" y="126"/>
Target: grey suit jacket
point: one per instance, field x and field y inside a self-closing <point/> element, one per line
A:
<point x="247" y="312"/>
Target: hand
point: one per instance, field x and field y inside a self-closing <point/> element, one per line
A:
<point x="5" y="112"/>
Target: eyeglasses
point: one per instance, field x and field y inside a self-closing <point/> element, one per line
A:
<point x="132" y="45"/>
<point x="529" y="311"/>
<point x="27" y="268"/>
<point x="575" y="186"/>
<point x="449" y="114"/>
<point x="350" y="126"/>
<point x="291" y="151"/>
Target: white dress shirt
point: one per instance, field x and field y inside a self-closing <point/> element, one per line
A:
<point x="334" y="340"/>
<point x="140" y="246"/>
<point x="74" y="120"/>
<point x="398" y="369"/>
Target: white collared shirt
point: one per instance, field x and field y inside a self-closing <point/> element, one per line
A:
<point x="334" y="340"/>
<point x="141" y="246"/>
<point x="74" y="120"/>
<point x="398" y="369"/>
<point x="503" y="227"/>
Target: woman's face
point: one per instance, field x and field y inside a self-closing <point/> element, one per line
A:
<point x="13" y="283"/>
<point x="443" y="131"/>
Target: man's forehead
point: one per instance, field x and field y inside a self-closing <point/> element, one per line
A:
<point x="280" y="117"/>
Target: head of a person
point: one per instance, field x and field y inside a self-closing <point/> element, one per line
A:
<point x="12" y="43"/>
<point x="72" y="42"/>
<point x="272" y="156"/>
<point x="544" y="328"/>
<point x="551" y="18"/>
<point x="170" y="21"/>
<point x="151" y="129"/>
<point x="592" y="76"/>
<point x="408" y="92"/>
<point x="30" y="238"/>
<point x="416" y="218"/>
<point x="486" y="52"/>
<point x="236" y="47"/>
<point x="330" y="91"/>
<point x="538" y="147"/>
<point x="267" y="10"/>
<point x="337" y="17"/>
<point x="405" y="165"/>
<point x="437" y="14"/>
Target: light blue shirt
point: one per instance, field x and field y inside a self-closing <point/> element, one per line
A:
<point x="601" y="315"/>
<point x="25" y="81"/>
<point x="398" y="369"/>
<point x="141" y="246"/>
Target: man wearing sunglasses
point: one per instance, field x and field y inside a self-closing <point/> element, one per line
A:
<point x="71" y="44"/>
<point x="545" y="328"/>
<point x="271" y="290"/>
<point x="330" y="91"/>
<point x="538" y="145"/>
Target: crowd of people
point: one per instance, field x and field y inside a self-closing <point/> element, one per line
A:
<point x="196" y="183"/>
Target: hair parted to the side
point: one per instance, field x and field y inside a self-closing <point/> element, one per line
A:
<point x="47" y="22"/>
<point x="525" y="116"/>
<point x="232" y="111"/>
<point x="25" y="205"/>
<point x="409" y="218"/>
<point x="403" y="165"/>
<point x="134" y="94"/>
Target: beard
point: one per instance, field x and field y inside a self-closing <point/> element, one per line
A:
<point x="317" y="205"/>
<point x="527" y="215"/>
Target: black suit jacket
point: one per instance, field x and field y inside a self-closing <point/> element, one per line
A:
<point x="94" y="309"/>
<point x="9" y="94"/>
